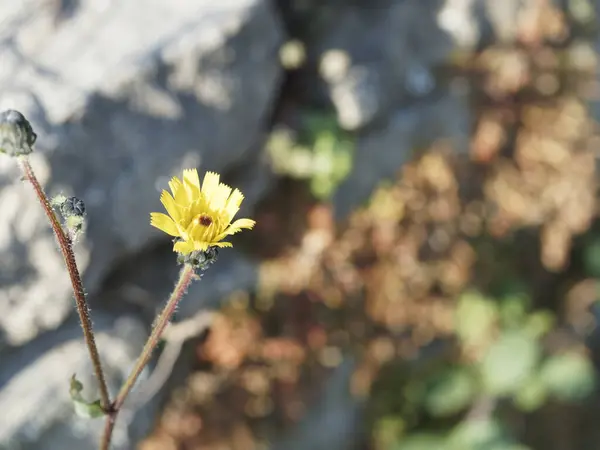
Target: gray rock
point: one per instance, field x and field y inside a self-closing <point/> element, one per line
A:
<point x="144" y="283"/>
<point x="122" y="97"/>
<point x="373" y="56"/>
<point x="381" y="152"/>
<point x="34" y="388"/>
<point x="335" y="422"/>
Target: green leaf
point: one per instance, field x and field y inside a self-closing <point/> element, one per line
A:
<point x="481" y="434"/>
<point x="422" y="441"/>
<point x="83" y="408"/>
<point x="591" y="257"/>
<point x="569" y="376"/>
<point x="388" y="430"/>
<point x="475" y="317"/>
<point x="513" y="310"/>
<point x="531" y="395"/>
<point x="539" y="323"/>
<point x="509" y="362"/>
<point x="450" y="392"/>
<point x="475" y="434"/>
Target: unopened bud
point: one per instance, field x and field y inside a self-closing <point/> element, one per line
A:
<point x="72" y="210"/>
<point x="16" y="134"/>
<point x="72" y="206"/>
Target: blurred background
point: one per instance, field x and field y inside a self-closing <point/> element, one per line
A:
<point x="425" y="269"/>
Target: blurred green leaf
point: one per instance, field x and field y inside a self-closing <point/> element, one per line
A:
<point x="450" y="392"/>
<point x="475" y="317"/>
<point x="320" y="152"/>
<point x="515" y="301"/>
<point x="422" y="441"/>
<point x="539" y="323"/>
<point x="475" y="434"/>
<point x="387" y="431"/>
<point x="509" y="362"/>
<point x="513" y="310"/>
<point x="531" y="395"/>
<point x="591" y="257"/>
<point x="481" y="434"/>
<point x="569" y="376"/>
<point x="83" y="408"/>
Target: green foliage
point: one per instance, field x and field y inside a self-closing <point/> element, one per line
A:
<point x="83" y="408"/>
<point x="481" y="434"/>
<point x="568" y="376"/>
<point x="510" y="368"/>
<point x="591" y="257"/>
<point x="531" y="395"/>
<point x="509" y="362"/>
<point x="470" y="434"/>
<point x="320" y="152"/>
<point x="475" y="317"/>
<point x="450" y="391"/>
<point x="539" y="323"/>
<point x="424" y="441"/>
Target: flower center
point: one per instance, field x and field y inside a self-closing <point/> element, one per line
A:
<point x="204" y="220"/>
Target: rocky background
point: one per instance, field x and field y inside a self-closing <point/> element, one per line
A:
<point x="399" y="156"/>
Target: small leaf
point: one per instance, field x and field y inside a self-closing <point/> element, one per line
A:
<point x="87" y="410"/>
<point x="591" y="257"/>
<point x="450" y="392"/>
<point x="513" y="309"/>
<point x="478" y="433"/>
<point x="475" y="317"/>
<point x="539" y="323"/>
<point x="388" y="430"/>
<point x="531" y="395"/>
<point x="569" y="376"/>
<point x="421" y="441"/>
<point x="509" y="362"/>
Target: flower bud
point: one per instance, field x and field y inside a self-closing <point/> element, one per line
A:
<point x="72" y="210"/>
<point x="72" y="206"/>
<point x="16" y="134"/>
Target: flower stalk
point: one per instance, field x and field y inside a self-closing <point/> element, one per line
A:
<point x="199" y="218"/>
<point x="187" y="275"/>
<point x="66" y="249"/>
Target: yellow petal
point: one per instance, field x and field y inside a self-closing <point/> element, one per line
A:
<point x="181" y="196"/>
<point x="210" y="185"/>
<point x="163" y="223"/>
<point x="191" y="176"/>
<point x="201" y="245"/>
<point x="243" y="223"/>
<point x="222" y="244"/>
<point x="233" y="204"/>
<point x="219" y="198"/>
<point x="169" y="203"/>
<point x="183" y="247"/>
<point x="191" y="183"/>
<point x="175" y="185"/>
<point x="236" y="227"/>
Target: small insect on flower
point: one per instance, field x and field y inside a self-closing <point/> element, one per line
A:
<point x="199" y="216"/>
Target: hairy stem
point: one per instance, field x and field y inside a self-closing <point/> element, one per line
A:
<point x="69" y="257"/>
<point x="186" y="276"/>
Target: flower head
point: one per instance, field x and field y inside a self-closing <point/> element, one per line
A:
<point x="199" y="216"/>
<point x="16" y="134"/>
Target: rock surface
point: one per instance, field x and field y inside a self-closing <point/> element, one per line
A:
<point x="40" y="414"/>
<point x="122" y="97"/>
<point x="125" y="94"/>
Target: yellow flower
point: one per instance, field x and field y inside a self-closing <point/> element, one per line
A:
<point x="200" y="216"/>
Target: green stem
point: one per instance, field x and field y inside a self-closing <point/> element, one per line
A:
<point x="67" y="251"/>
<point x="186" y="276"/>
